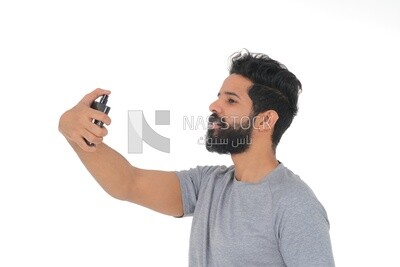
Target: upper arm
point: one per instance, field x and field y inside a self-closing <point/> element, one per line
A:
<point x="156" y="190"/>
<point x="304" y="238"/>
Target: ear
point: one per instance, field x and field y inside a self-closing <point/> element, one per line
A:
<point x="266" y="120"/>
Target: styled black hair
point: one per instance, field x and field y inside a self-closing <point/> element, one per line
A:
<point x="274" y="88"/>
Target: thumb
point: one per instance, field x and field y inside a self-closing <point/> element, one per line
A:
<point x="92" y="96"/>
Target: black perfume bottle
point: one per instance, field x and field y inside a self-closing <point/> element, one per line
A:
<point x="100" y="106"/>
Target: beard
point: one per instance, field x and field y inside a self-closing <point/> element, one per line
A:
<point x="228" y="139"/>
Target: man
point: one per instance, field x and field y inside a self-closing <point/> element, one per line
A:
<point x="254" y="213"/>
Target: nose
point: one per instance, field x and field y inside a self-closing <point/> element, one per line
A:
<point x="215" y="107"/>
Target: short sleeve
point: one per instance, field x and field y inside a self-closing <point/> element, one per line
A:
<point x="191" y="182"/>
<point x="303" y="231"/>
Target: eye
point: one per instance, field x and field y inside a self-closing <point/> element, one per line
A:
<point x="231" y="101"/>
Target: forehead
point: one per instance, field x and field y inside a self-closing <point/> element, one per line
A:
<point x="236" y="83"/>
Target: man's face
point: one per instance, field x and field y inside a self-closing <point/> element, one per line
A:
<point x="231" y="123"/>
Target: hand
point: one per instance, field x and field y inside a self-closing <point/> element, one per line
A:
<point x="77" y="124"/>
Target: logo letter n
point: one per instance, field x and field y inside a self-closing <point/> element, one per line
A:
<point x="139" y="130"/>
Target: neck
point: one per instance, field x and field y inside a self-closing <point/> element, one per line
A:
<point x="254" y="164"/>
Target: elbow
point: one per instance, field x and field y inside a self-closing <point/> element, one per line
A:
<point x="118" y="196"/>
<point x="120" y="192"/>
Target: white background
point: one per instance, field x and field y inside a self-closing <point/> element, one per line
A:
<point x="173" y="55"/>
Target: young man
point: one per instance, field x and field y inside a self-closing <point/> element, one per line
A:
<point x="254" y="213"/>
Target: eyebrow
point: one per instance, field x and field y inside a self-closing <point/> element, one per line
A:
<point x="229" y="93"/>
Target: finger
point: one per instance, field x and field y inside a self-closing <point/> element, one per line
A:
<point x="96" y="130"/>
<point x="92" y="96"/>
<point x="91" y="138"/>
<point x="100" y="116"/>
<point x="84" y="146"/>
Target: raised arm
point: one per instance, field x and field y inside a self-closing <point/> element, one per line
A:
<point x="157" y="190"/>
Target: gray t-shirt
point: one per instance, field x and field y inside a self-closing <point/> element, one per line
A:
<point x="275" y="222"/>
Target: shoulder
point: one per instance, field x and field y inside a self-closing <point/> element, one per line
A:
<point x="290" y="192"/>
<point x="284" y="184"/>
<point x="204" y="173"/>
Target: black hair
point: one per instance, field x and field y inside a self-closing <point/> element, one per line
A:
<point x="274" y="88"/>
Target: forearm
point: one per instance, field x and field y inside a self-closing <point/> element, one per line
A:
<point x="110" y="169"/>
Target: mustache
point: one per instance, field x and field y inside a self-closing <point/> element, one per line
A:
<point x="214" y="118"/>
